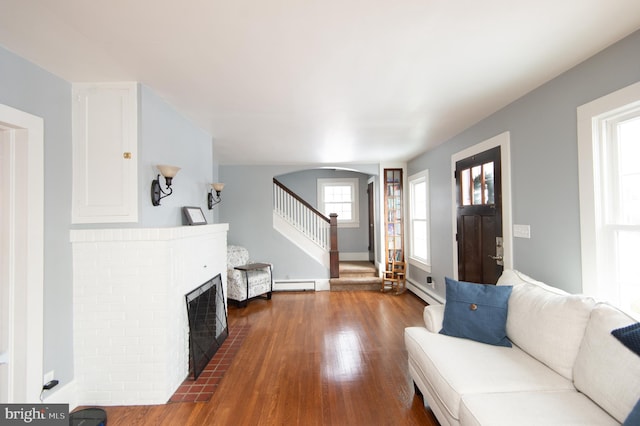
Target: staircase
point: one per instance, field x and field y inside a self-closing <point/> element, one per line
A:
<point x="356" y="276"/>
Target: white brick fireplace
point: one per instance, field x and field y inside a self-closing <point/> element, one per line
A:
<point x="130" y="319"/>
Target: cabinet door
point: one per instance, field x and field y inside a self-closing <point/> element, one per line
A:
<point x="105" y="139"/>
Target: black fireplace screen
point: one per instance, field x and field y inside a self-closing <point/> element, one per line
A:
<point x="208" y="326"/>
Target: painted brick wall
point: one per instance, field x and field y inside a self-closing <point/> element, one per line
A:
<point x="130" y="322"/>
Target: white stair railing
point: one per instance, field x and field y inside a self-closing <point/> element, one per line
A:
<point x="307" y="220"/>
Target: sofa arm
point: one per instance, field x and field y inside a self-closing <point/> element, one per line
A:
<point x="433" y="316"/>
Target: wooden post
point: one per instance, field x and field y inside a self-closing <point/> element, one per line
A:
<point x="334" y="260"/>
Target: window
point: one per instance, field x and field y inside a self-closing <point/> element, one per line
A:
<point x="609" y="149"/>
<point x="340" y="196"/>
<point x="419" y="232"/>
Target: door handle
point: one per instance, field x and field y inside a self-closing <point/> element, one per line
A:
<point x="496" y="257"/>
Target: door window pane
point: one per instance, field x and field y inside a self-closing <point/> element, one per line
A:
<point x="489" y="184"/>
<point x="477" y="185"/>
<point x="466" y="187"/>
<point x="476" y="174"/>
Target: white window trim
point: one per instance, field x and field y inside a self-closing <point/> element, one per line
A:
<point x="355" y="214"/>
<point x="424" y="264"/>
<point x="588" y="116"/>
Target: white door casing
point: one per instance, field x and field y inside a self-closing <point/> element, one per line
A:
<point x="21" y="273"/>
<point x="502" y="140"/>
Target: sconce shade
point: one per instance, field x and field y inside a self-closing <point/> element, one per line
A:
<point x="157" y="194"/>
<point x="168" y="171"/>
<point x="212" y="200"/>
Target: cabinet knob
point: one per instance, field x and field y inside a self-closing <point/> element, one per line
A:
<point x="126" y="155"/>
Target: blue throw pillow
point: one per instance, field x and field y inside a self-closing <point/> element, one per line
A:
<point x="633" y="419"/>
<point x="477" y="312"/>
<point x="629" y="336"/>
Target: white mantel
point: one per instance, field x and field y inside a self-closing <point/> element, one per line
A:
<point x="130" y="321"/>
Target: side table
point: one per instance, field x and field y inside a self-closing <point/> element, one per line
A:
<point x="254" y="267"/>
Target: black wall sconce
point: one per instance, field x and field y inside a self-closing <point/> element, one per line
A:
<point x="212" y="200"/>
<point x="169" y="172"/>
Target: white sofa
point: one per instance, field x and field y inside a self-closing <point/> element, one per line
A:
<point x="565" y="367"/>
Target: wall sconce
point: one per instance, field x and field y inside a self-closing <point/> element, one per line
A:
<point x="169" y="172"/>
<point x="212" y="200"/>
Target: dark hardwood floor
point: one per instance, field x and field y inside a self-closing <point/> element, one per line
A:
<point x="325" y="358"/>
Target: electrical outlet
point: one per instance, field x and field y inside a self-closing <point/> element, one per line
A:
<point x="431" y="283"/>
<point x="49" y="376"/>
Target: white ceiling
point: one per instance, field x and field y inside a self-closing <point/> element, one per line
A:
<point x="319" y="81"/>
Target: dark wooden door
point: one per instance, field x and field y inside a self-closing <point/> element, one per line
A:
<point x="372" y="239"/>
<point x="479" y="217"/>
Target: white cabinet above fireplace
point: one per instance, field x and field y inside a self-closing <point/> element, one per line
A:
<point x="105" y="152"/>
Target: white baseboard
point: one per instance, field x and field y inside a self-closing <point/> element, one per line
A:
<point x="294" y="285"/>
<point x="424" y="294"/>
<point x="323" y="285"/>
<point x="67" y="394"/>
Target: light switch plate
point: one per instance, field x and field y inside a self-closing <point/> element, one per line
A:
<point x="522" y="231"/>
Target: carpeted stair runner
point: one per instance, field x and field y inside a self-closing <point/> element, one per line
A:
<point x="356" y="276"/>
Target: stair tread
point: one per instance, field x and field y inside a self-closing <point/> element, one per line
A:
<point x="357" y="267"/>
<point x="356" y="279"/>
<point x="355" y="283"/>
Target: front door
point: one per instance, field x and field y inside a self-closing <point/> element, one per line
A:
<point x="479" y="217"/>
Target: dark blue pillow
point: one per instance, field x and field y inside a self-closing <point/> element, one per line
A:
<point x="629" y="336"/>
<point x="477" y="312"/>
<point x="633" y="419"/>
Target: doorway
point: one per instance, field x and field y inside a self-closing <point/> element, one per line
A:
<point x="21" y="250"/>
<point x="482" y="238"/>
<point x="371" y="221"/>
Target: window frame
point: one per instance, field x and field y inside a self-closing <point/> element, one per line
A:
<point x="595" y="229"/>
<point x="413" y="180"/>
<point x="354" y="183"/>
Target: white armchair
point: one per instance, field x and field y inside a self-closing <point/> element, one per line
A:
<point x="246" y="279"/>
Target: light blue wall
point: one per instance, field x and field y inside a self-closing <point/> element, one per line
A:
<point x="544" y="166"/>
<point x="164" y="137"/>
<point x="248" y="208"/>
<point x="31" y="89"/>
<point x="305" y="184"/>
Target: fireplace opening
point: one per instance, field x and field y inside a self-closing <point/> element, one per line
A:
<point x="208" y="326"/>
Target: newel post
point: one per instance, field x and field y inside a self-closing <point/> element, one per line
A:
<point x="334" y="260"/>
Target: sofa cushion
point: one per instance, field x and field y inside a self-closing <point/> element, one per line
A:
<point x="433" y="316"/>
<point x="629" y="336"/>
<point x="547" y="323"/>
<point x="452" y="367"/>
<point x="532" y="409"/>
<point x="476" y="311"/>
<point x="605" y="370"/>
<point x="513" y="277"/>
